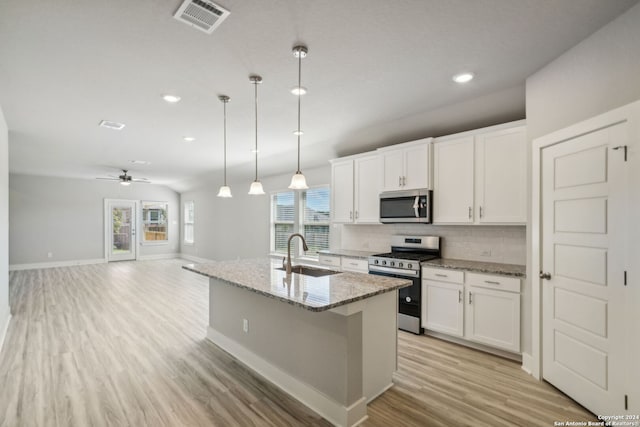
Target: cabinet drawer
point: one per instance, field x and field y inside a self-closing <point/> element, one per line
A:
<point x="511" y="284"/>
<point x="331" y="260"/>
<point x="355" y="264"/>
<point x="443" y="275"/>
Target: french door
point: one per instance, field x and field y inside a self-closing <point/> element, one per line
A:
<point x="120" y="229"/>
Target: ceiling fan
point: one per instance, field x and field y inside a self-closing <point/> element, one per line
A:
<point x="126" y="179"/>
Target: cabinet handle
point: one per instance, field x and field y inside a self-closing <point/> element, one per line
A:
<point x="357" y="215"/>
<point x="459" y="296"/>
<point x="480" y="211"/>
<point x="470" y="298"/>
<point x="404" y="181"/>
<point x="491" y="282"/>
<point x="441" y="275"/>
<point x="399" y="181"/>
<point x="350" y="214"/>
<point x="470" y="212"/>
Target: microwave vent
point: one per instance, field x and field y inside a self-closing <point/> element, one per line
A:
<point x="201" y="14"/>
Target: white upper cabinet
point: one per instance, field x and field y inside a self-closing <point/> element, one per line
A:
<point x="355" y="186"/>
<point x="453" y="181"/>
<point x="368" y="182"/>
<point x="342" y="190"/>
<point x="480" y="177"/>
<point x="407" y="166"/>
<point x="501" y="180"/>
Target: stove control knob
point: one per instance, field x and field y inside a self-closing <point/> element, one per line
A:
<point x="409" y="265"/>
<point x="376" y="261"/>
<point x="407" y="299"/>
<point x="392" y="263"/>
<point x="384" y="262"/>
<point x="400" y="265"/>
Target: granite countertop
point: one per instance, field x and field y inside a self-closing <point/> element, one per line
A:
<point x="311" y="293"/>
<point x="348" y="253"/>
<point x="514" y="270"/>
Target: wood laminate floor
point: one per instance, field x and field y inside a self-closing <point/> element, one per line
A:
<point x="122" y="344"/>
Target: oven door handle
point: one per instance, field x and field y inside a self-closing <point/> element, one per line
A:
<point x="394" y="272"/>
<point x="416" y="206"/>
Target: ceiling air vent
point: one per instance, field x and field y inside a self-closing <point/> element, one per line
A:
<point x="201" y="14"/>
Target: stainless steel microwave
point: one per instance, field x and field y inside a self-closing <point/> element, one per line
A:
<point x="406" y="206"/>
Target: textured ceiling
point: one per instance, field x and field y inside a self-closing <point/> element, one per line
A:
<point x="378" y="72"/>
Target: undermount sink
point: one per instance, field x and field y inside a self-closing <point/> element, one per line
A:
<point x="310" y="271"/>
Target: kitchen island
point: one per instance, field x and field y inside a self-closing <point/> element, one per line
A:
<point x="330" y="341"/>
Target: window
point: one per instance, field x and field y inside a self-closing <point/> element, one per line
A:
<point x="315" y="219"/>
<point x="304" y="212"/>
<point x="188" y="222"/>
<point x="154" y="222"/>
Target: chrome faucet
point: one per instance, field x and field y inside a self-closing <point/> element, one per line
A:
<point x="304" y="246"/>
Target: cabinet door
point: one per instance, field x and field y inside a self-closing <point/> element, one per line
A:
<point x="417" y="170"/>
<point x="501" y="180"/>
<point x="342" y="191"/>
<point x="442" y="307"/>
<point x="367" y="190"/>
<point x="453" y="181"/>
<point x="493" y="318"/>
<point x="393" y="166"/>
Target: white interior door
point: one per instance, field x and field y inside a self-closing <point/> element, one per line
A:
<point x="584" y="193"/>
<point x="120" y="230"/>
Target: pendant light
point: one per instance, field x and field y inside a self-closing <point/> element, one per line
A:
<point x="225" y="191"/>
<point x="256" y="185"/>
<point x="298" y="181"/>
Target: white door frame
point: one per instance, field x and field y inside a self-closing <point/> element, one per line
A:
<point x="107" y="227"/>
<point x="629" y="113"/>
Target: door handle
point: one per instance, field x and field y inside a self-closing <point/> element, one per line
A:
<point x="470" y="212"/>
<point x="459" y="296"/>
<point x="470" y="298"/>
<point x="480" y="211"/>
<point x="545" y="276"/>
<point x="416" y="206"/>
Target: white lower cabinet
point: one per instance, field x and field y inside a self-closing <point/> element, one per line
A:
<point x="477" y="307"/>
<point x="443" y="310"/>
<point x="493" y="318"/>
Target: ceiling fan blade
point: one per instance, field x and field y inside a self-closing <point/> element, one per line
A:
<point x="110" y="179"/>
<point x="141" y="181"/>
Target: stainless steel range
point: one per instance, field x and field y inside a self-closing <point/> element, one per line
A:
<point x="404" y="261"/>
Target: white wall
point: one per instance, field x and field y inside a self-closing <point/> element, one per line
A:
<point x="238" y="227"/>
<point x="4" y="227"/>
<point x="65" y="216"/>
<point x="597" y="75"/>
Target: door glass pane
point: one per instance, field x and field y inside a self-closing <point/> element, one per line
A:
<point x="121" y="226"/>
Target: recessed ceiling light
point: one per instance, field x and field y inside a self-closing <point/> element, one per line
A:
<point x="463" y="77"/>
<point x="111" y="125"/>
<point x="171" y="99"/>
<point x="139" y="162"/>
<point x="189" y="139"/>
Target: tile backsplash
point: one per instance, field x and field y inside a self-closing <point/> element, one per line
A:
<point x="502" y="244"/>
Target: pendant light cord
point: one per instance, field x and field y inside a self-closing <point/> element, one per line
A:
<point x="225" y="142"/>
<point x="299" y="101"/>
<point x="256" y="111"/>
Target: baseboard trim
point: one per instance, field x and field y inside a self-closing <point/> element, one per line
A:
<point x="331" y="410"/>
<point x="39" y="265"/>
<point x="158" y="256"/>
<point x="194" y="258"/>
<point x="4" y="332"/>
<point x="527" y="363"/>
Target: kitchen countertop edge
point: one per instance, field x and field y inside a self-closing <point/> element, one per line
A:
<point x="512" y="270"/>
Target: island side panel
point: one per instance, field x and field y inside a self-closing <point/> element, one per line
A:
<point x="321" y="349"/>
<point x="380" y="343"/>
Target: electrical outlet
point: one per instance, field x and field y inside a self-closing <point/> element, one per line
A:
<point x="245" y="326"/>
<point x="485" y="253"/>
<point x="49" y="254"/>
